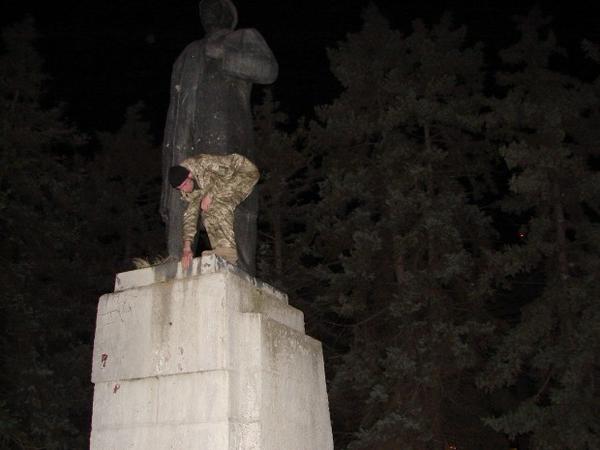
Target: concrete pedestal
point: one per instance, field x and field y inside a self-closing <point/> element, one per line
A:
<point x="211" y="360"/>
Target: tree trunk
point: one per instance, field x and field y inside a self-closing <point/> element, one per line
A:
<point x="561" y="241"/>
<point x="431" y="258"/>
<point x="276" y="223"/>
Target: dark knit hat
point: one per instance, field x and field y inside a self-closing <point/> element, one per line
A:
<point x="177" y="175"/>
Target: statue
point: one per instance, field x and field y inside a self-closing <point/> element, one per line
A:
<point x="210" y="113"/>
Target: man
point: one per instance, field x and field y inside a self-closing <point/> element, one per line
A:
<point x="210" y="112"/>
<point x="215" y="185"/>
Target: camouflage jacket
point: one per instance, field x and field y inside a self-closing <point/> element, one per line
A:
<point x="228" y="179"/>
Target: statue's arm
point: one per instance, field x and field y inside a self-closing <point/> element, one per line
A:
<point x="246" y="55"/>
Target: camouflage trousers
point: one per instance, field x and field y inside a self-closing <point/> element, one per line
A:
<point x="219" y="219"/>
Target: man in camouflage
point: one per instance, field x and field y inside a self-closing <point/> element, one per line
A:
<point x="215" y="185"/>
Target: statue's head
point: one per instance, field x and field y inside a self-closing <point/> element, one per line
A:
<point x="217" y="15"/>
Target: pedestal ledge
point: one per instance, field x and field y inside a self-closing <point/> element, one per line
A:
<point x="173" y="271"/>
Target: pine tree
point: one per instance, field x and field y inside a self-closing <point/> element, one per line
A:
<point x="45" y="342"/>
<point x="278" y="160"/>
<point x="125" y="181"/>
<point x="549" y="124"/>
<point x="404" y="250"/>
<point x="289" y="176"/>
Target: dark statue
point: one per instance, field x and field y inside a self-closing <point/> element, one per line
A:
<point x="210" y="113"/>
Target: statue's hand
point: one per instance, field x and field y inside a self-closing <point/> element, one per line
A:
<point x="214" y="49"/>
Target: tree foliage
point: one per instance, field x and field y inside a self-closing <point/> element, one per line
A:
<point x="67" y="224"/>
<point x="403" y="249"/>
<point x="420" y="293"/>
<point x="549" y="122"/>
<point x="45" y="345"/>
<point x="124" y="179"/>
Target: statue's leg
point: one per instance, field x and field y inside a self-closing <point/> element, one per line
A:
<point x="175" y="226"/>
<point x="245" y="231"/>
<point x="245" y="215"/>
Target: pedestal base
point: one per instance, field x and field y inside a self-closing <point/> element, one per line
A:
<point x="212" y="360"/>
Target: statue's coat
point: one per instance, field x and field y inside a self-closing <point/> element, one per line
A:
<point x="210" y="112"/>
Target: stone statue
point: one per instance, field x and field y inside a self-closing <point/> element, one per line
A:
<point x="210" y="112"/>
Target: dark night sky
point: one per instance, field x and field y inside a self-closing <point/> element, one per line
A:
<point x="104" y="56"/>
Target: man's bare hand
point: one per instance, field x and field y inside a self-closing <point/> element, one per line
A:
<point x="206" y="202"/>
<point x="188" y="256"/>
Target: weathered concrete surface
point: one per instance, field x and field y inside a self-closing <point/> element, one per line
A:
<point x="213" y="359"/>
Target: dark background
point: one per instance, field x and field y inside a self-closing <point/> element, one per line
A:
<point x="105" y="56"/>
